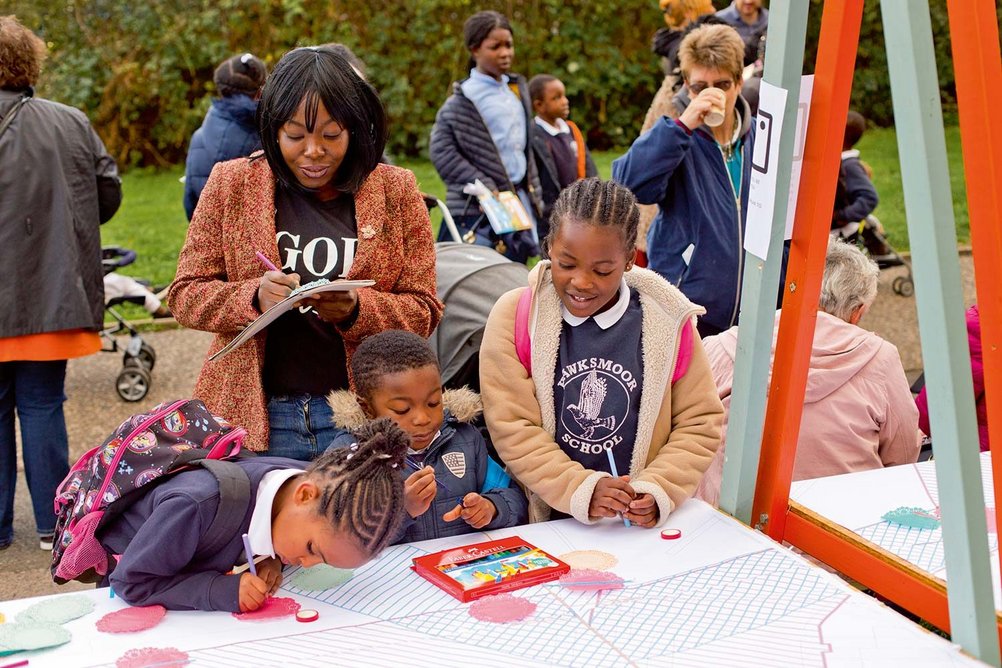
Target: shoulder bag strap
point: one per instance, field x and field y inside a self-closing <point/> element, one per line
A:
<point x="9" y="118"/>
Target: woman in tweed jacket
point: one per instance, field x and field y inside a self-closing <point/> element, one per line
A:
<point x="318" y="204"/>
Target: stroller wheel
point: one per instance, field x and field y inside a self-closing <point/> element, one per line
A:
<point x="903" y="285"/>
<point x="133" y="382"/>
<point x="146" y="356"/>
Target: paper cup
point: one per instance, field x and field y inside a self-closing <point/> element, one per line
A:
<point x="714" y="117"/>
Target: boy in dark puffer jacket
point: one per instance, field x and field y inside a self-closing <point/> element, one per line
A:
<point x="452" y="486"/>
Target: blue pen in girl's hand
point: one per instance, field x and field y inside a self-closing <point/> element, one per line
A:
<point x="615" y="474"/>
<point x="250" y="556"/>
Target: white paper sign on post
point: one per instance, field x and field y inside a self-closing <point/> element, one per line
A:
<point x="765" y="158"/>
<point x="803" y="115"/>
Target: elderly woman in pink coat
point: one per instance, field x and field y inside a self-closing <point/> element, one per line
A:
<point x="858" y="409"/>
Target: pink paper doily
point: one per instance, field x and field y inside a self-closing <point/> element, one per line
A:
<point x="502" y="609"/>
<point x="273" y="608"/>
<point x="588" y="579"/>
<point x="131" y="620"/>
<point x="161" y="657"/>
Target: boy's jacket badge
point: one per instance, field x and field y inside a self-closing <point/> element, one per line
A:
<point x="455" y="462"/>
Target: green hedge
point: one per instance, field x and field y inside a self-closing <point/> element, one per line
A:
<point x="143" y="71"/>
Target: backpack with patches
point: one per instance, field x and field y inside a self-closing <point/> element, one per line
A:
<point x="145" y="450"/>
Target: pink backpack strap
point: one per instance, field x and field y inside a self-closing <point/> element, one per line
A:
<point x="523" y="346"/>
<point x="684" y="352"/>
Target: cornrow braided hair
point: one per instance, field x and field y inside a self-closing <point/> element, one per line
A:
<point x="362" y="491"/>
<point x="596" y="202"/>
<point x="388" y="352"/>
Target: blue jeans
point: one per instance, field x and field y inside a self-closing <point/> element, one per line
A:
<point x="301" y="426"/>
<point x="34" y="390"/>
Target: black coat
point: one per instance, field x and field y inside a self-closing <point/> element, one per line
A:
<point x="462" y="151"/>
<point x="57" y="185"/>
<point x="549" y="182"/>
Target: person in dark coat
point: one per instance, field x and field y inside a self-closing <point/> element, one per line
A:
<point x="229" y="129"/>
<point x="484" y="131"/>
<point x="57" y="185"/>
<point x="698" y="176"/>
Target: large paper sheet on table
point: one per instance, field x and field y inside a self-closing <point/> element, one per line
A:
<point x="858" y="501"/>
<point x="720" y="595"/>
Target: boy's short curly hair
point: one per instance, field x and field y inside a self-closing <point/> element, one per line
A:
<point x="22" y="54"/>
<point x="715" y="47"/>
<point x="388" y="352"/>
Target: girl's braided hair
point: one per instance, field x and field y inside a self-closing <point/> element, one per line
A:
<point x="596" y="202"/>
<point x="362" y="491"/>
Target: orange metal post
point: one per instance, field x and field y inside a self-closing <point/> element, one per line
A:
<point x="836" y="59"/>
<point x="978" y="66"/>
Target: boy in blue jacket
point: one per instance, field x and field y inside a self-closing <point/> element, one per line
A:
<point x="855" y="196"/>
<point x="451" y="486"/>
<point x="697" y="170"/>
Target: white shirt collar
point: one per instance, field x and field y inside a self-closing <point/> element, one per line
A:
<point x="851" y="153"/>
<point x="606" y="319"/>
<point x="259" y="532"/>
<point x="560" y="129"/>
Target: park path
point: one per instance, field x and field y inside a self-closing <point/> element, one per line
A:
<point x="93" y="408"/>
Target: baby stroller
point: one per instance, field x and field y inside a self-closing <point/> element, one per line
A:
<point x="134" y="380"/>
<point x="470" y="280"/>
<point x="872" y="240"/>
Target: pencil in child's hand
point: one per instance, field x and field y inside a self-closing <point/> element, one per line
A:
<point x="414" y="466"/>
<point x="615" y="474"/>
<point x="250" y="556"/>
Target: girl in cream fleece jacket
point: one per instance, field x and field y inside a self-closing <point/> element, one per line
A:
<point x="616" y="372"/>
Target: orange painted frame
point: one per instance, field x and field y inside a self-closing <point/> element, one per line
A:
<point x="975" y="36"/>
<point x="979" y="90"/>
<point x="840" y="23"/>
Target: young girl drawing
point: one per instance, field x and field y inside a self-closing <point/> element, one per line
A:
<point x="342" y="510"/>
<point x="615" y="366"/>
<point x="482" y="131"/>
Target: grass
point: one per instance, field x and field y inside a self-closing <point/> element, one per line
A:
<point x="152" y="222"/>
<point x="879" y="148"/>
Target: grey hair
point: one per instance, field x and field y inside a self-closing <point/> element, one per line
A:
<point x="849" y="281"/>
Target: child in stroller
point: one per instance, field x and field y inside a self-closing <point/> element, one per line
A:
<point x="133" y="381"/>
<point x="855" y="201"/>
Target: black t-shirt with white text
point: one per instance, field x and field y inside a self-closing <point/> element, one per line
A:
<point x="596" y="390"/>
<point x="316" y="239"/>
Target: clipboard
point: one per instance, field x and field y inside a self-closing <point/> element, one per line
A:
<point x="284" y="306"/>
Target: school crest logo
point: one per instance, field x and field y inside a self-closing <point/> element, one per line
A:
<point x="587" y="412"/>
<point x="455" y="462"/>
<point x="597" y="397"/>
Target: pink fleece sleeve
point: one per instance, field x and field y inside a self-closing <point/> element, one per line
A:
<point x="684" y="352"/>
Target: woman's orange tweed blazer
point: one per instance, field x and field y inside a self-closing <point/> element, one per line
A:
<point x="218" y="275"/>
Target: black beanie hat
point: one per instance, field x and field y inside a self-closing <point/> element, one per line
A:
<point x="242" y="74"/>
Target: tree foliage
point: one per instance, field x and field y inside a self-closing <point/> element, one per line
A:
<point x="143" y="71"/>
